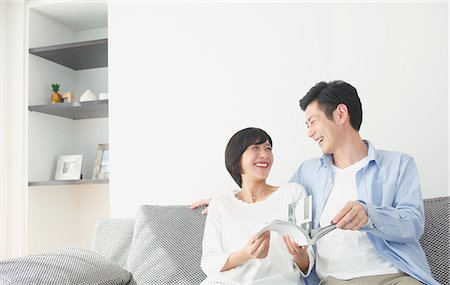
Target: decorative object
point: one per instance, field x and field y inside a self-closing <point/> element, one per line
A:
<point x="67" y="96"/>
<point x="55" y="97"/>
<point x="88" y="95"/>
<point x="68" y="167"/>
<point x="101" y="166"/>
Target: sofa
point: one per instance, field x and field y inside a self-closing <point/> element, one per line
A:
<point x="163" y="246"/>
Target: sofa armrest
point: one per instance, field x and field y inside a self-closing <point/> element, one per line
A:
<point x="112" y="239"/>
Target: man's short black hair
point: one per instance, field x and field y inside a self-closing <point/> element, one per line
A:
<point x="237" y="145"/>
<point x="330" y="95"/>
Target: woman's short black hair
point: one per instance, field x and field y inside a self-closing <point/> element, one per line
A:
<point x="237" y="145"/>
<point x="330" y="95"/>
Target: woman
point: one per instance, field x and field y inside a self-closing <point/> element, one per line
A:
<point x="232" y="252"/>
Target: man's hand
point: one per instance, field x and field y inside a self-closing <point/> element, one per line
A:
<point x="201" y="203"/>
<point x="352" y="217"/>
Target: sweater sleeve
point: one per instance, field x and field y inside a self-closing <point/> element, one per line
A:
<point x="213" y="255"/>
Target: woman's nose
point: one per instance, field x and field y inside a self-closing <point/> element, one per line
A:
<point x="263" y="153"/>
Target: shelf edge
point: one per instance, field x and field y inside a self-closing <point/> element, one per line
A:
<point x="68" y="182"/>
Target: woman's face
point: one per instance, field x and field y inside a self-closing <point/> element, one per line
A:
<point x="256" y="161"/>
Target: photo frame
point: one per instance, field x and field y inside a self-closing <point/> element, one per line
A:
<point x="68" y="167"/>
<point x="101" y="165"/>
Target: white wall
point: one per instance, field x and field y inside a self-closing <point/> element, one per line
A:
<point x="184" y="77"/>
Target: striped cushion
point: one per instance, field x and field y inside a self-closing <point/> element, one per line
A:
<point x="167" y="246"/>
<point x="68" y="265"/>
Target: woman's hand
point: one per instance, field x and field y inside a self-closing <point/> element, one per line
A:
<point x="258" y="247"/>
<point x="255" y="248"/>
<point x="201" y="203"/>
<point x="299" y="253"/>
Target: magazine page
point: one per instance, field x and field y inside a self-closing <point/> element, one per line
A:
<point x="299" y="235"/>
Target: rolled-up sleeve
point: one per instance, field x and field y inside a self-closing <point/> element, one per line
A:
<point x="404" y="220"/>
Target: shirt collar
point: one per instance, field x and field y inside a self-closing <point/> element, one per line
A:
<point x="327" y="159"/>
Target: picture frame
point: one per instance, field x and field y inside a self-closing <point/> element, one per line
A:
<point x="68" y="167"/>
<point x="101" y="165"/>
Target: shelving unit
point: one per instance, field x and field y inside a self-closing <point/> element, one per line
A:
<point x="77" y="56"/>
<point x="75" y="110"/>
<point x="77" y="65"/>
<point x="68" y="45"/>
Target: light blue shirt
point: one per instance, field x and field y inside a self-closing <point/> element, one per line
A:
<point x="389" y="187"/>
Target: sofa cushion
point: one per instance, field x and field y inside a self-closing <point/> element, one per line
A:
<point x="167" y="245"/>
<point x="69" y="265"/>
<point x="112" y="239"/>
<point x="435" y="240"/>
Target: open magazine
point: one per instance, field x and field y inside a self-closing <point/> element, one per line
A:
<point x="298" y="225"/>
<point x="297" y="233"/>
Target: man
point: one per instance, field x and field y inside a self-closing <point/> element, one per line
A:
<point x="373" y="197"/>
<point x="376" y="195"/>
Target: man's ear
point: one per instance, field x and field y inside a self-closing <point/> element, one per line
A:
<point x="341" y="113"/>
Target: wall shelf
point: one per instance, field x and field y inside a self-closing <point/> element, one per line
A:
<point x="77" y="56"/>
<point x="69" y="182"/>
<point x="75" y="110"/>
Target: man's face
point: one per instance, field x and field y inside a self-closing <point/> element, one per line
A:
<point x="323" y="131"/>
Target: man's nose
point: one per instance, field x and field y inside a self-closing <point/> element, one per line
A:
<point x="310" y="132"/>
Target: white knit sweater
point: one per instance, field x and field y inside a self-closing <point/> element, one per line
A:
<point x="229" y="225"/>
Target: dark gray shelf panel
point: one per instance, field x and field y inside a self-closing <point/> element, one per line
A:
<point x="77" y="56"/>
<point x="75" y="110"/>
<point x="69" y="182"/>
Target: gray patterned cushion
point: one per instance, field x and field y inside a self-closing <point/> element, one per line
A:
<point x="69" y="265"/>
<point x="436" y="238"/>
<point x="167" y="245"/>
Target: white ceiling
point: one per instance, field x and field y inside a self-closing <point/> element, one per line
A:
<point x="79" y="16"/>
